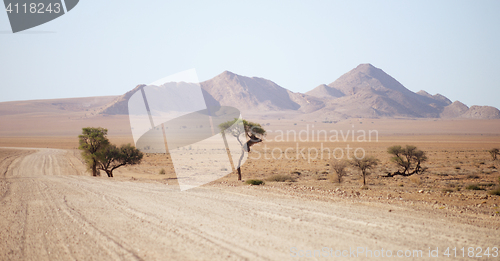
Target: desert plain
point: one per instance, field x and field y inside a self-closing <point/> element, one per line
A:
<point x="52" y="208"/>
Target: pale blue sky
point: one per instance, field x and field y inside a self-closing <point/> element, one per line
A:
<point x="108" y="47"/>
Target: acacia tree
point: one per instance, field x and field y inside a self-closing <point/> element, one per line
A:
<point x="253" y="131"/>
<point x="364" y="164"/>
<point x="408" y="159"/>
<point x="91" y="141"/>
<point x="112" y="157"/>
<point x="338" y="167"/>
<point x="99" y="153"/>
<point x="494" y="153"/>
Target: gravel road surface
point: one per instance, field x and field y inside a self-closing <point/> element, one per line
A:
<point x="50" y="210"/>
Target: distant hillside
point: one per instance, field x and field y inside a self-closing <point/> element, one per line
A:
<point x="367" y="91"/>
<point x="119" y="106"/>
<point x="363" y="92"/>
<point x="325" y="91"/>
<point x="454" y="110"/>
<point x="247" y="93"/>
<point x="88" y="105"/>
<point x="482" y="112"/>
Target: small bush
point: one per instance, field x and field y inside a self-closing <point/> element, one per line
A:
<point x="281" y="178"/>
<point x="473" y="187"/>
<point x="255" y="182"/>
<point x="162" y="172"/>
<point x="457" y="167"/>
<point x="338" y="167"/>
<point x="494" y="153"/>
<point x="472" y="176"/>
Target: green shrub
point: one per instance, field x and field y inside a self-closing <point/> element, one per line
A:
<point x="281" y="178"/>
<point x="162" y="172"/>
<point x="255" y="182"/>
<point x="473" y="187"/>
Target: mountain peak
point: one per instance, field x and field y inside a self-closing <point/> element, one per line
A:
<point x="459" y="103"/>
<point x="367" y="68"/>
<point x="424" y="93"/>
<point x="454" y="110"/>
<point x="364" y="66"/>
<point x="226" y="74"/>
<point x="440" y="99"/>
<point x="366" y="76"/>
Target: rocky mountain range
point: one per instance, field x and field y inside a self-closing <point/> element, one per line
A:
<point x="363" y="92"/>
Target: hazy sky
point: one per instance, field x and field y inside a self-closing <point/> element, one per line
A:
<point x="108" y="47"/>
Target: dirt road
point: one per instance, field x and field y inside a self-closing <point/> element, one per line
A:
<point x="48" y="210"/>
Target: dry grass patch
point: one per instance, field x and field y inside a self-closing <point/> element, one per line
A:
<point x="281" y="178"/>
<point x="495" y="191"/>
